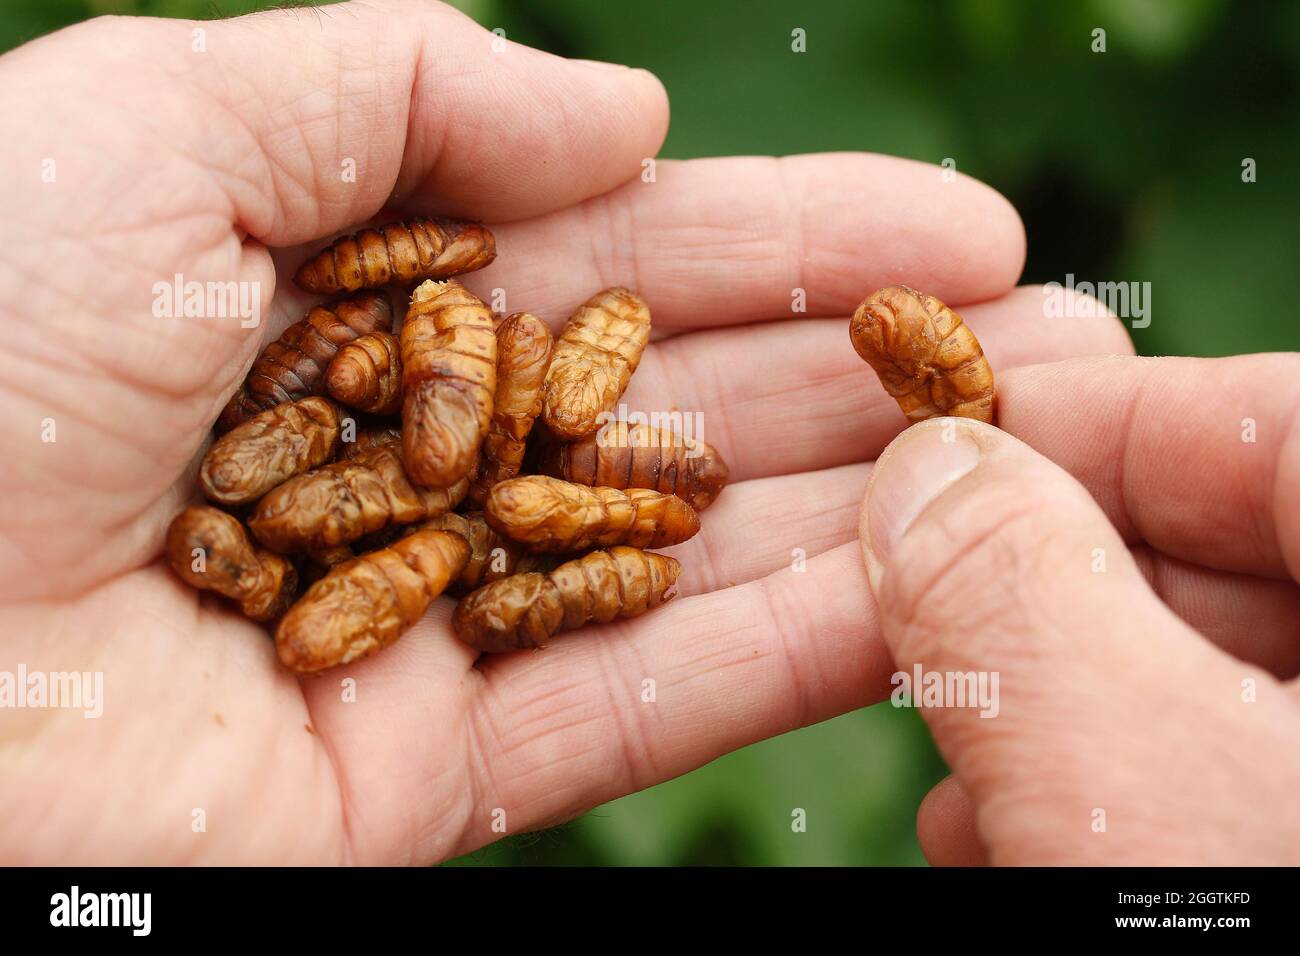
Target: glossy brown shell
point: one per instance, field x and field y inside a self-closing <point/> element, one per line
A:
<point x="560" y="517"/>
<point x="367" y="374"/>
<point x="364" y="605"/>
<point x="263" y="583"/>
<point x="926" y="357"/>
<point x="400" y="252"/>
<point x="368" y="437"/>
<point x="449" y="357"/>
<point x="526" y="610"/>
<point x="594" y="359"/>
<point x="341" y="502"/>
<point x="524" y="346"/>
<point x="639" y="456"/>
<point x="491" y="556"/>
<point x="268" y="449"/>
<point x="293" y="366"/>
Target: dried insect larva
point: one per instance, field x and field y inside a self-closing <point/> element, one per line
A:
<point x="400" y="252"/>
<point x="341" y="502"/>
<point x="449" y="376"/>
<point x="524" y="346"/>
<point x="268" y="449"/>
<point x="491" y="557"/>
<point x="210" y="550"/>
<point x="526" y="610"/>
<point x="364" y="605"/>
<point x="367" y="374"/>
<point x="594" y="359"/>
<point x="292" y="366"/>
<point x="926" y="357"/>
<point x="368" y="438"/>
<point x="559" y="517"/>
<point x="639" y="456"/>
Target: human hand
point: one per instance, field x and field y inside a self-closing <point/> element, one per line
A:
<point x="224" y="164"/>
<point x="1126" y="566"/>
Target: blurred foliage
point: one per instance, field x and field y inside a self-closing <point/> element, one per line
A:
<point x="1126" y="166"/>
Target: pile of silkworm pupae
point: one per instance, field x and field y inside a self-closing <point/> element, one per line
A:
<point x="359" y="472"/>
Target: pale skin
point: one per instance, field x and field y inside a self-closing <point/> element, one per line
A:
<point x="227" y="164"/>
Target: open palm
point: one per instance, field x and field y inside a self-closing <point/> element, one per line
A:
<point x="195" y="153"/>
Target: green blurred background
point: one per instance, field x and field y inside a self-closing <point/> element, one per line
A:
<point x="1125" y="165"/>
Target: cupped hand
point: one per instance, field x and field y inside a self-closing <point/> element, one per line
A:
<point x="140" y="150"/>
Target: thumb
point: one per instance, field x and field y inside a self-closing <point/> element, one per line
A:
<point x="1000" y="581"/>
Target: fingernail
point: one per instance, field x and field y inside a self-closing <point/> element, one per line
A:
<point x="914" y="470"/>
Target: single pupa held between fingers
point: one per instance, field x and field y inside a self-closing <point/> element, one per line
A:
<point x="925" y="356"/>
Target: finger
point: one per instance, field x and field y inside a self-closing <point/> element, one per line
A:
<point x="1253" y="619"/>
<point x="765" y="524"/>
<point x="945" y="827"/>
<point x="727" y="241"/>
<point x="787" y="397"/>
<point x="612" y="710"/>
<point x="761" y="526"/>
<point x="987" y="560"/>
<point x="435" y="112"/>
<point x="1199" y="458"/>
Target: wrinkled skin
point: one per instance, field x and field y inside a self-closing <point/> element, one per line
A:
<point x="926" y="357"/>
<point x="559" y="517"/>
<point x="525" y="611"/>
<point x="623" y="455"/>
<point x="449" y="356"/>
<point x="197" y="713"/>
<point x="399" y="252"/>
<point x="293" y="366"/>
<point x="367" y="374"/>
<point x="269" y="449"/>
<point x="491" y="556"/>
<point x="524" y="345"/>
<point x="362" y="606"/>
<point x="211" y="550"/>
<point x="344" y="501"/>
<point x="594" y="359"/>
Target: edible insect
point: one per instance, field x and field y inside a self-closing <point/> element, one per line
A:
<point x="926" y="357"/>
<point x="594" y="359"/>
<point x="210" y="550"/>
<point x="339" y="503"/>
<point x="400" y="252"/>
<point x="639" y="456"/>
<point x="268" y="449"/>
<point x="293" y="365"/>
<point x="526" y="610"/>
<point x="559" y="517"/>
<point x="449" y="375"/>
<point x="364" y="605"/>
<point x="524" y="347"/>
